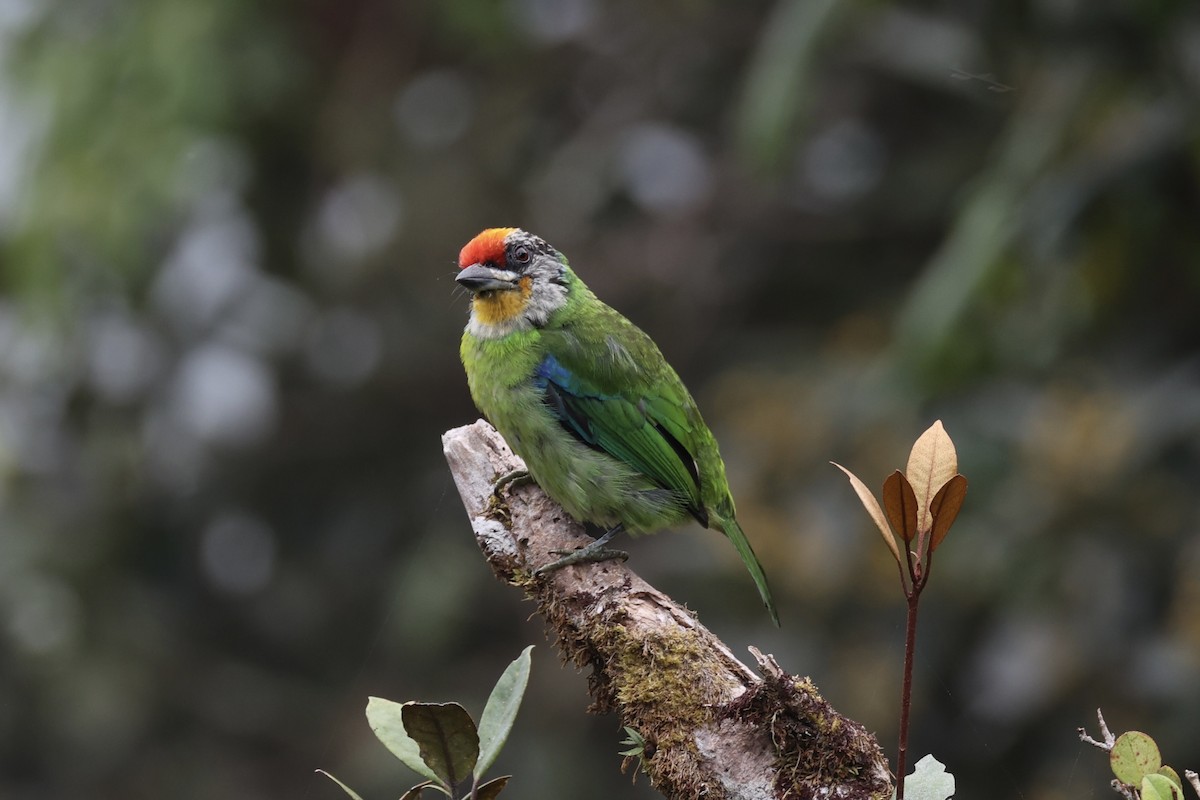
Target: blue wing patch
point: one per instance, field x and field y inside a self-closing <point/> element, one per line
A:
<point x="557" y="385"/>
<point x="623" y="429"/>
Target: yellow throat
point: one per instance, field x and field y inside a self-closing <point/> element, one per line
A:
<point x="496" y="308"/>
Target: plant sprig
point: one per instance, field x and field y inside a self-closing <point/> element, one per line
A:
<point x="919" y="506"/>
<point x="441" y="743"/>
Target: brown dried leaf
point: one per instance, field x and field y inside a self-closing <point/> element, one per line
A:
<point x="945" y="506"/>
<point x="489" y="790"/>
<point x="932" y="462"/>
<point x="415" y="792"/>
<point x="873" y="509"/>
<point x="900" y="503"/>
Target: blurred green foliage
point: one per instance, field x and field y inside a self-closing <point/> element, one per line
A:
<point x="228" y="339"/>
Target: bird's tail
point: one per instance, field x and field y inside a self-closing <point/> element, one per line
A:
<point x="732" y="530"/>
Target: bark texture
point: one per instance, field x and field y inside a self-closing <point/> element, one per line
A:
<point x="712" y="727"/>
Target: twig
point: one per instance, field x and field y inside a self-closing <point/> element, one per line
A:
<point x="1107" y="744"/>
<point x="712" y="727"/>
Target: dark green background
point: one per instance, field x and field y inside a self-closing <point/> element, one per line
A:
<point x="228" y="348"/>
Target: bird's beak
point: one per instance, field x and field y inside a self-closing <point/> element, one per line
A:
<point x="479" y="278"/>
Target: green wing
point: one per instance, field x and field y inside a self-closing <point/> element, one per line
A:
<point x="609" y="386"/>
<point x="632" y="407"/>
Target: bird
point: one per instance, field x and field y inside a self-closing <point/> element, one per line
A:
<point x="585" y="397"/>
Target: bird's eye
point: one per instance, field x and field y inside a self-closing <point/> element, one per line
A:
<point x="521" y="254"/>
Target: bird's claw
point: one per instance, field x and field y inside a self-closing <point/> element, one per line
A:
<point x="518" y="477"/>
<point x="583" y="555"/>
<point x="497" y="505"/>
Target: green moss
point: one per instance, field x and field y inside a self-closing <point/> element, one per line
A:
<point x="667" y="686"/>
<point x="667" y="683"/>
<point x="664" y="683"/>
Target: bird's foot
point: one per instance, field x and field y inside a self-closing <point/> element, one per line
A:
<point x="593" y="553"/>
<point x="584" y="555"/>
<point x="518" y="477"/>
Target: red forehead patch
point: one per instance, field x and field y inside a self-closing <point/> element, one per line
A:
<point x="486" y="247"/>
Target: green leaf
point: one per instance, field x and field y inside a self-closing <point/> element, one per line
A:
<point x="489" y="790"/>
<point x="928" y="781"/>
<point x="1134" y="755"/>
<point x="1157" y="786"/>
<point x="385" y="718"/>
<point x="446" y="735"/>
<point x="501" y="711"/>
<point x="1172" y="774"/>
<point x="345" y="788"/>
<point x="636" y="742"/>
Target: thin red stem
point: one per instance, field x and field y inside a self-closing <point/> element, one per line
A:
<point x="912" y="594"/>
<point x="910" y="640"/>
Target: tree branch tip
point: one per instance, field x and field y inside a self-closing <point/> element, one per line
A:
<point x="1194" y="779"/>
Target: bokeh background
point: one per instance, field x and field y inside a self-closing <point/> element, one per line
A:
<point x="228" y="349"/>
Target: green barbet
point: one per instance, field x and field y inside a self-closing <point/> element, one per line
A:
<point x="584" y="396"/>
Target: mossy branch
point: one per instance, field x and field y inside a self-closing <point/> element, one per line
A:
<point x="712" y="728"/>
